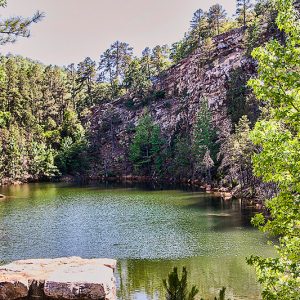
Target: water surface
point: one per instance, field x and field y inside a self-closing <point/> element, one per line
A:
<point x="148" y="231"/>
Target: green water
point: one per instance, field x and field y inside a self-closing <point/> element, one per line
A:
<point x="148" y="231"/>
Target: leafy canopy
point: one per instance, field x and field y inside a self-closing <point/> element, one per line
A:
<point x="278" y="135"/>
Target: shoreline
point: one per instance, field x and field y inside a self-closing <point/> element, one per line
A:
<point x="225" y="193"/>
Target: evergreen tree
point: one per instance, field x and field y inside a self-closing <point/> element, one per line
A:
<point x="136" y="79"/>
<point x="204" y="139"/>
<point x="146" y="63"/>
<point x="160" y="59"/>
<point x="237" y="152"/>
<point x="14" y="27"/>
<point x="216" y="17"/>
<point x="182" y="165"/>
<point x="86" y="76"/>
<point x="199" y="28"/>
<point x="242" y="10"/>
<point x="146" y="147"/>
<point x="113" y="65"/>
<point x="177" y="289"/>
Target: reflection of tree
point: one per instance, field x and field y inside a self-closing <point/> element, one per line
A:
<point x="210" y="274"/>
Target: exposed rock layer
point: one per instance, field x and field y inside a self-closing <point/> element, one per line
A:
<point x="205" y="73"/>
<point x="61" y="278"/>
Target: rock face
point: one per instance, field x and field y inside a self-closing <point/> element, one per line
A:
<point x="61" y="278"/>
<point x="205" y="73"/>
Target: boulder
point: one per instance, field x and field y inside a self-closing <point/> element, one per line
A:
<point x="60" y="278"/>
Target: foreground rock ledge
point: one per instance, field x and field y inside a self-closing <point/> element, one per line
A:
<point x="60" y="278"/>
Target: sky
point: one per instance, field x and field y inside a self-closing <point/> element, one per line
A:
<point x="75" y="29"/>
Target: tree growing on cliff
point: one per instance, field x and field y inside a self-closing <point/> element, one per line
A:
<point x="136" y="79"/>
<point x="146" y="147"/>
<point x="160" y="58"/>
<point x="14" y="27"/>
<point x="86" y="79"/>
<point x="204" y="140"/>
<point x="199" y="28"/>
<point x="113" y="64"/>
<point x="237" y="152"/>
<point x="242" y="11"/>
<point x="216" y="17"/>
<point x="182" y="164"/>
<point x="278" y="135"/>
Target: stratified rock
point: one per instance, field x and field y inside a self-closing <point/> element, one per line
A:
<point x="205" y="73"/>
<point x="61" y="278"/>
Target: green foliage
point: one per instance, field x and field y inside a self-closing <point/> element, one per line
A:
<point x="216" y="17"/>
<point x="182" y="166"/>
<point x="146" y="150"/>
<point x="177" y="289"/>
<point x="72" y="157"/>
<point x="4" y="118"/>
<point x="136" y="80"/>
<point x="278" y="135"/>
<point x="242" y="11"/>
<point x="221" y="294"/>
<point x="14" y="27"/>
<point x="237" y="152"/>
<point x="37" y="112"/>
<point x="204" y="139"/>
<point x="236" y="95"/>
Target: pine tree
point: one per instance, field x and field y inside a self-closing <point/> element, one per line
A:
<point x="216" y="17"/>
<point x="86" y="77"/>
<point x="182" y="165"/>
<point x="177" y="289"/>
<point x="204" y="138"/>
<point x="160" y="59"/>
<point x="146" y="63"/>
<point x="146" y="147"/>
<point x="14" y="27"/>
<point x="135" y="79"/>
<point x="199" y="28"/>
<point x="242" y="10"/>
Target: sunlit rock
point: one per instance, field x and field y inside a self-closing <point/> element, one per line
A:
<point x="61" y="278"/>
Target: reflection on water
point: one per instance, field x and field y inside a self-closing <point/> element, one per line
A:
<point x="148" y="231"/>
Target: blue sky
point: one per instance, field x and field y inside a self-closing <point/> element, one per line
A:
<point x="75" y="29"/>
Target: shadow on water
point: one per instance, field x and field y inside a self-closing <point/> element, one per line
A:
<point x="148" y="230"/>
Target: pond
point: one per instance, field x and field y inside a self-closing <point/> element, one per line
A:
<point x="148" y="231"/>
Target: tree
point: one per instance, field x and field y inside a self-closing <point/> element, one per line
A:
<point x="113" y="65"/>
<point x="146" y="147"/>
<point x="136" y="79"/>
<point x="182" y="165"/>
<point x="14" y="27"/>
<point x="204" y="139"/>
<point x="216" y="17"/>
<point x="177" y="289"/>
<point x="242" y="9"/>
<point x="199" y="28"/>
<point x="278" y="135"/>
<point x="237" y="152"/>
<point x="160" y="59"/>
<point x="146" y="63"/>
<point x="86" y="77"/>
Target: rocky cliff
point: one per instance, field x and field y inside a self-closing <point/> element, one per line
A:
<point x="211" y="71"/>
